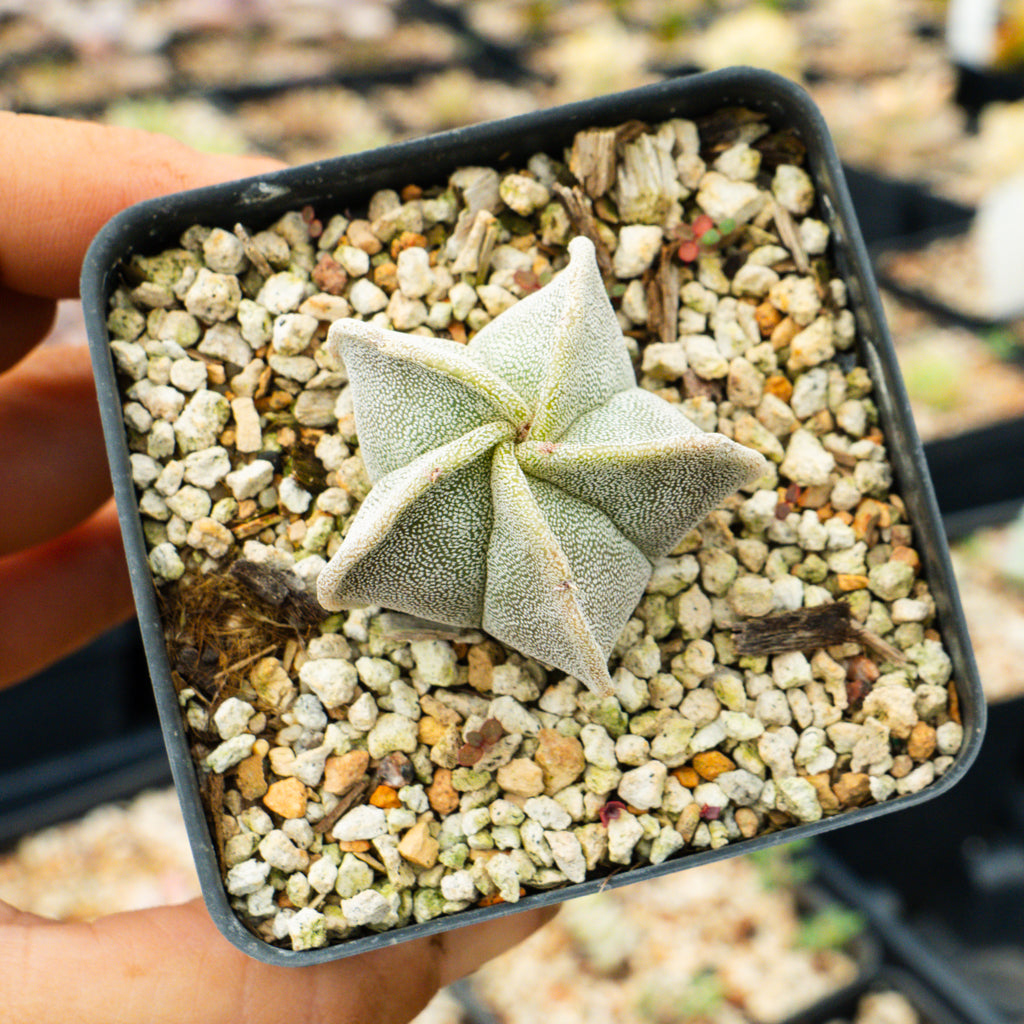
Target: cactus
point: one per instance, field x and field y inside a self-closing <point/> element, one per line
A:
<point x="522" y="483"/>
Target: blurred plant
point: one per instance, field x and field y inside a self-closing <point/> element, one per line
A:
<point x="195" y="122"/>
<point x="934" y="378"/>
<point x="1002" y="342"/>
<point x="603" y="937"/>
<point x="693" y="1001"/>
<point x="784" y="866"/>
<point x="832" y="927"/>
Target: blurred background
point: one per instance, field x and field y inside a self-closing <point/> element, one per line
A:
<point x="925" y="100"/>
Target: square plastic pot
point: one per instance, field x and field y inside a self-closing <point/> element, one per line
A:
<point x="347" y="183"/>
<point x="941" y="986"/>
<point x="109" y="749"/>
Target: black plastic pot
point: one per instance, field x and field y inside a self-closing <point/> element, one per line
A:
<point x="939" y="975"/>
<point x="963" y="905"/>
<point x="346" y="184"/>
<point x="931" y="1006"/>
<point x="977" y="87"/>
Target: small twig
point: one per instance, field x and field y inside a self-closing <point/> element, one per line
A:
<point x="578" y="207"/>
<point x="346" y="801"/>
<point x="256" y="258"/>
<point x="238" y="665"/>
<point x="790" y="237"/>
<point x="877" y="644"/>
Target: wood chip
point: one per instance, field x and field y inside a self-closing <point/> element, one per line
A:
<point x="256" y="258"/>
<point x="577" y="205"/>
<point x="352" y="796"/>
<point x="808" y="629"/>
<point x="790" y="237"/>
<point x="592" y="160"/>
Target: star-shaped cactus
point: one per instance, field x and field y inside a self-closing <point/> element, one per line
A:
<point x="523" y="483"/>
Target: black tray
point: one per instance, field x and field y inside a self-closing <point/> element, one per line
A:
<point x="928" y="301"/>
<point x="888" y="208"/>
<point x="961" y="904"/>
<point x="346" y="183"/>
<point x="979" y="476"/>
<point x="938" y="971"/>
<point x="977" y="87"/>
<point x="105" y="747"/>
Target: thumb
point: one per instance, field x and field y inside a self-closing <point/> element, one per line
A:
<point x="71" y="177"/>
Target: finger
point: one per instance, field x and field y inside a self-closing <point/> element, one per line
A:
<point x="56" y="597"/>
<point x="27" y="319"/>
<point x="170" y="964"/>
<point x="53" y="466"/>
<point x="70" y="177"/>
<point x="468" y="949"/>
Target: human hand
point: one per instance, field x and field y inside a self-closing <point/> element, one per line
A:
<point x="63" y="581"/>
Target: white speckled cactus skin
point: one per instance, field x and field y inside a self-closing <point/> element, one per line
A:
<point x="522" y="482"/>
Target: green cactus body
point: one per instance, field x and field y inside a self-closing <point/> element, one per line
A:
<point x="523" y="482"/>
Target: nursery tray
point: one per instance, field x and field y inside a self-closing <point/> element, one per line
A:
<point x="109" y="749"/>
<point x="864" y="949"/>
<point x="964" y="904"/>
<point x="977" y="87"/>
<point x="946" y="979"/>
<point x="346" y="183"/>
<point x="929" y="301"/>
<point x="889" y="208"/>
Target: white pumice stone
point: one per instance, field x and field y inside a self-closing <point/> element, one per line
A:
<point x="624" y="832"/>
<point x="292" y="333"/>
<point x="232" y="717"/>
<point x="201" y="421"/>
<point x="223" y="252"/>
<point x="793" y="188"/>
<point x="282" y="292"/>
<point x="366" y="908"/>
<point x="212" y="296"/>
<point x="227" y="754"/>
<point x="333" y="680"/>
<point x="165" y="562"/>
<point x="638" y="245"/>
<point x="188" y="375"/>
<point x="248" y="480"/>
<point x="366" y="297"/>
<point x="643" y="787"/>
<point x="247" y="877"/>
<point x="548" y="813"/>
<point x="568" y="854"/>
